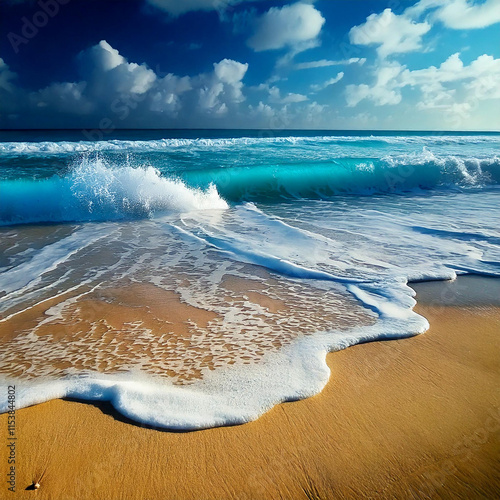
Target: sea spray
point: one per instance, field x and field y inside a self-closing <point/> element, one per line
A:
<point x="95" y="190"/>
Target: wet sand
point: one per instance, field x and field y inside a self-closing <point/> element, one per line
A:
<point x="412" y="418"/>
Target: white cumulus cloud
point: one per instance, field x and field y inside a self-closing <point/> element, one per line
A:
<point x="452" y="86"/>
<point x="391" y="33"/>
<point x="287" y="26"/>
<point x="106" y="71"/>
<point x="222" y="87"/>
<point x="66" y="97"/>
<point x="460" y="14"/>
<point x="292" y="97"/>
<point x="101" y="57"/>
<point x="229" y="71"/>
<point x="384" y="91"/>
<point x="6" y="75"/>
<point x="124" y="93"/>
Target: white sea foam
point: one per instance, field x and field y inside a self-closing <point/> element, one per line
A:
<point x="242" y="392"/>
<point x="26" y="275"/>
<point x="61" y="147"/>
<point x="239" y="394"/>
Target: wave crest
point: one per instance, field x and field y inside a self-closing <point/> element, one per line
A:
<point x="359" y="176"/>
<point x="95" y="190"/>
<point x="64" y="147"/>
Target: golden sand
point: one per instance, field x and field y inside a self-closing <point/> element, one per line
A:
<point x="413" y="418"/>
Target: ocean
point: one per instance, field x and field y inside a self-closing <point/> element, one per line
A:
<point x="198" y="278"/>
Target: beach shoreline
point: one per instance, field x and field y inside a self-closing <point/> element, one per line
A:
<point x="409" y="418"/>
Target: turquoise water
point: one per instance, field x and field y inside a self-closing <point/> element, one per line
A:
<point x="321" y="230"/>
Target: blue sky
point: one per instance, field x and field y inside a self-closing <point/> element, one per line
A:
<point x="325" y="64"/>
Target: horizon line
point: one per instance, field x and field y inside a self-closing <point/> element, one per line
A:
<point x="254" y="129"/>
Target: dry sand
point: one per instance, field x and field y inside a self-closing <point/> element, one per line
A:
<point x="413" y="418"/>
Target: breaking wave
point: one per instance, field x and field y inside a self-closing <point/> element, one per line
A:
<point x="95" y="191"/>
<point x="363" y="176"/>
